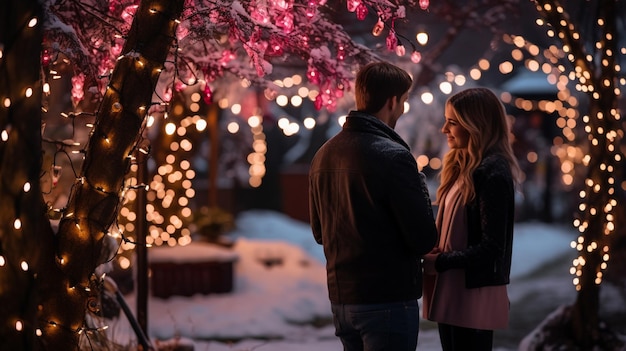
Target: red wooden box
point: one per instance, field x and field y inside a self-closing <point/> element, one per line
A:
<point x="198" y="268"/>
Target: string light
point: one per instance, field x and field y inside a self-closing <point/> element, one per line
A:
<point x="378" y="28"/>
<point x="64" y="259"/>
<point x="327" y="95"/>
<point x="596" y="126"/>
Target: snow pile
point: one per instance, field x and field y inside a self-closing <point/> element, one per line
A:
<point x="280" y="291"/>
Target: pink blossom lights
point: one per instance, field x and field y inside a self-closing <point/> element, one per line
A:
<point x="78" y="91"/>
<point x="311" y="9"/>
<point x="260" y="15"/>
<point x="207" y="94"/>
<point x="400" y="50"/>
<point x="286" y="22"/>
<point x="416" y="57"/>
<point x="313" y="75"/>
<point x="392" y="40"/>
<point x="361" y="12"/>
<point x="352" y="5"/>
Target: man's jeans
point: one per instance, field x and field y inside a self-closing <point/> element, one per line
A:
<point x="377" y="327"/>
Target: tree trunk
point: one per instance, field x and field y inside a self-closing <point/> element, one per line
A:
<point x="20" y="163"/>
<point x="45" y="307"/>
<point x="597" y="223"/>
<point x="602" y="169"/>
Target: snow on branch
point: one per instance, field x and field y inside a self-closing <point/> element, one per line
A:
<point x="246" y="38"/>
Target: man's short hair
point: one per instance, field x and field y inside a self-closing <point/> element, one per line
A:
<point x="378" y="81"/>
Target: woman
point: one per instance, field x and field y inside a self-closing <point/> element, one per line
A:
<point x="467" y="272"/>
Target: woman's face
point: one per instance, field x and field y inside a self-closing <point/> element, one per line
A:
<point x="458" y="137"/>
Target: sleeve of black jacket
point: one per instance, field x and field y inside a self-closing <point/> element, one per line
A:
<point x="411" y="206"/>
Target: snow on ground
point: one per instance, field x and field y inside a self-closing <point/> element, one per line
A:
<point x="271" y="307"/>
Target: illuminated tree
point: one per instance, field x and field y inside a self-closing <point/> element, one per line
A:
<point x="59" y="285"/>
<point x="22" y="230"/>
<point x="128" y="58"/>
<point x="593" y="52"/>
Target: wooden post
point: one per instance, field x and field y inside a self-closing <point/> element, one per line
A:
<point x="141" y="252"/>
<point x="212" y="121"/>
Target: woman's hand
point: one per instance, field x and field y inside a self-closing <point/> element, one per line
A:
<point x="429" y="261"/>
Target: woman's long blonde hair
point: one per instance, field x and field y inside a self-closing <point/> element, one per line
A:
<point x="481" y="113"/>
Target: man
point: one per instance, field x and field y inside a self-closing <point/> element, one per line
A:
<point x="371" y="211"/>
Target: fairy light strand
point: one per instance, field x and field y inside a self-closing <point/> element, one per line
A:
<point x="598" y="200"/>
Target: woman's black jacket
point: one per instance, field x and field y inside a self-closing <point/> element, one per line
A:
<point x="490" y="216"/>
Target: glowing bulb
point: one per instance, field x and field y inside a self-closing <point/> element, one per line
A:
<point x="283" y="122"/>
<point x="422" y="38"/>
<point x="378" y="28"/>
<point x="445" y="87"/>
<point x="24" y="266"/>
<point x="32" y="22"/>
<point x="18" y="326"/>
<point x="400" y="50"/>
<point x="341" y="120"/>
<point x="282" y="100"/>
<point x="233" y="127"/>
<point x="296" y="100"/>
<point x="150" y="121"/>
<point x="416" y="57"/>
<point x="459" y="80"/>
<point x="201" y="125"/>
<point x="254" y="121"/>
<point x="235" y="109"/>
<point x="17" y="224"/>
<point x="427" y="98"/>
<point x="309" y="122"/>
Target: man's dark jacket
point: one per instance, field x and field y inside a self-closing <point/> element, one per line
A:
<point x="371" y="211"/>
<point x="490" y="218"/>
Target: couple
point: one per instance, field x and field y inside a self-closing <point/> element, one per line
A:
<point x="371" y="211"/>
